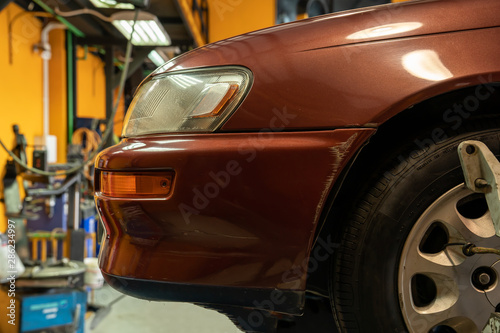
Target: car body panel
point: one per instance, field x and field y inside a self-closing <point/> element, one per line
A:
<point x="320" y="89"/>
<point x="216" y="227"/>
<point x="314" y="70"/>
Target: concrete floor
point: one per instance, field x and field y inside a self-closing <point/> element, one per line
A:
<point x="132" y="315"/>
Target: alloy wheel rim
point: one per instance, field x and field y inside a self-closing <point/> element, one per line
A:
<point x="441" y="289"/>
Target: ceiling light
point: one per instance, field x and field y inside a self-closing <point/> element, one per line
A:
<point x="111" y="4"/>
<point x="148" y="29"/>
<point x="157" y="58"/>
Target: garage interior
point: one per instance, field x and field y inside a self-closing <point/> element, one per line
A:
<point x="65" y="84"/>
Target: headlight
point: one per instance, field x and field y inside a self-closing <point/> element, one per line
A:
<point x="197" y="100"/>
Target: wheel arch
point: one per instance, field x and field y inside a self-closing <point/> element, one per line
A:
<point x="465" y="86"/>
<point x="433" y="112"/>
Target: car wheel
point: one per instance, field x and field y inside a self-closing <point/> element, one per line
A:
<point x="400" y="266"/>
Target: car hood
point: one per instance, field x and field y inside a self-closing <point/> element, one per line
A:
<point x="399" y="20"/>
<point x="354" y="68"/>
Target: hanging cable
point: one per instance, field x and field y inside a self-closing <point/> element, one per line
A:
<point x="91" y="138"/>
<point x="81" y="12"/>
<point x="470" y="249"/>
<point x="453" y="244"/>
<point x="109" y="124"/>
<point x="92" y="141"/>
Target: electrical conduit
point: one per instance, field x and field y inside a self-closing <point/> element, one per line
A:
<point x="46" y="55"/>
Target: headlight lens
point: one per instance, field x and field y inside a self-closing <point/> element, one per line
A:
<point x="187" y="101"/>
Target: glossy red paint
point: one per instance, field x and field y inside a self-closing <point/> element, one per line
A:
<point x="218" y="226"/>
<point x="337" y="77"/>
<point x="333" y="80"/>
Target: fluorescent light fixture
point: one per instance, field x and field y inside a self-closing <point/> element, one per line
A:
<point x="111" y="4"/>
<point x="148" y="29"/>
<point x="158" y="58"/>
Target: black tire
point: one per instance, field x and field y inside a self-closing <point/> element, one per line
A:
<point x="366" y="273"/>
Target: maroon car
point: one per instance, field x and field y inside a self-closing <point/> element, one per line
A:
<point x="318" y="156"/>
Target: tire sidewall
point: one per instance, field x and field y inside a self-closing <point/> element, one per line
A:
<point x="396" y="201"/>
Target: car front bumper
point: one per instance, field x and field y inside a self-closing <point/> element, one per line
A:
<point x="241" y="214"/>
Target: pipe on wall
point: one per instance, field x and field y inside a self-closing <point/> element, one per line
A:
<point x="46" y="55"/>
<point x="50" y="142"/>
<point x="71" y="82"/>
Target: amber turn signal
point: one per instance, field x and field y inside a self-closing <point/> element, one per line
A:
<point x="134" y="184"/>
<point x="213" y="103"/>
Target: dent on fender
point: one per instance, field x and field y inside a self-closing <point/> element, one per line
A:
<point x="338" y="153"/>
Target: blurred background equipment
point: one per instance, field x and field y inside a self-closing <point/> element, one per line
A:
<point x="292" y="10"/>
<point x="57" y="244"/>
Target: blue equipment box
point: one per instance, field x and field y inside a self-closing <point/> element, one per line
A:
<point x="56" y="309"/>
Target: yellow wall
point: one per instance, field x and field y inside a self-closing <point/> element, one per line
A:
<point x="20" y="84"/>
<point x="228" y="18"/>
<point x="91" y="86"/>
<point x="234" y="17"/>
